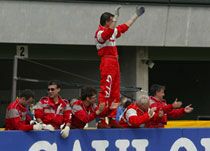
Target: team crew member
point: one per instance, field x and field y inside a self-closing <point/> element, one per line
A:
<point x="16" y="113"/>
<point x="85" y="109"/>
<point x="137" y="114"/>
<point x="54" y="111"/>
<point x="173" y="110"/>
<point x="105" y="38"/>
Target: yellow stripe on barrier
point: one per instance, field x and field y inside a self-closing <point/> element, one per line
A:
<point x="188" y="124"/>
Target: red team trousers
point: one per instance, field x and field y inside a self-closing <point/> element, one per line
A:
<point x="109" y="85"/>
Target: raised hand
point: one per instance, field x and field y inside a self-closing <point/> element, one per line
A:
<point x="140" y="10"/>
<point x="177" y="104"/>
<point x="117" y="10"/>
<point x="160" y="113"/>
<point x="151" y="111"/>
<point x="188" y="109"/>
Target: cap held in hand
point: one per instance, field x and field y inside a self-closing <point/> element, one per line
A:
<point x="117" y="10"/>
<point x="140" y="10"/>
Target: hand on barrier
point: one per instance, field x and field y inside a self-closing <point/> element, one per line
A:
<point x="48" y="127"/>
<point x="32" y="122"/>
<point x="62" y="126"/>
<point x="140" y="10"/>
<point x="37" y="127"/>
<point x="65" y="132"/>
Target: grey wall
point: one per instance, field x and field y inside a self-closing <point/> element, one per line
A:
<point x="75" y="23"/>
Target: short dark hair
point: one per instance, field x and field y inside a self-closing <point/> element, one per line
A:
<point x="156" y="88"/>
<point x="27" y="94"/>
<point x="105" y="17"/>
<point x="87" y="92"/>
<point x="55" y="82"/>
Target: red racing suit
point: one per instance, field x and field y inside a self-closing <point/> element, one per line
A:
<point x="17" y="117"/>
<point x="81" y="115"/>
<point x="109" y="67"/>
<point x="168" y="110"/>
<point x="51" y="113"/>
<point x="134" y="117"/>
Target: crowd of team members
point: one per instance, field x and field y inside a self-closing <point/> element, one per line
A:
<point x="53" y="112"/>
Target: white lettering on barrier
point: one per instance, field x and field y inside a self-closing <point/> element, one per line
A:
<point x="183" y="143"/>
<point x="122" y="144"/>
<point x="77" y="146"/>
<point x="205" y="142"/>
<point x="140" y="144"/>
<point x="43" y="145"/>
<point x="100" y="145"/>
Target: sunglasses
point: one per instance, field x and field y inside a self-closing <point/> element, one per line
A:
<point x="51" y="89"/>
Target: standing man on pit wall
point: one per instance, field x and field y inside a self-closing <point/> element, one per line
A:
<point x="105" y="38"/>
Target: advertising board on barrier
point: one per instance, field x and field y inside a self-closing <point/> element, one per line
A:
<point x="108" y="140"/>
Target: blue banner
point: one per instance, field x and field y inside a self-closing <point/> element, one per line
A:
<point x="108" y="140"/>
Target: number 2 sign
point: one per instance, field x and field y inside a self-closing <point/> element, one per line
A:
<point x="22" y="51"/>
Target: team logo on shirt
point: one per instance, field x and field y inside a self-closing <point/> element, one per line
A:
<point x="109" y="86"/>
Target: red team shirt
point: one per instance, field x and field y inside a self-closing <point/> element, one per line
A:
<point x="168" y="110"/>
<point x="17" y="117"/>
<point x="134" y="117"/>
<point x="81" y="115"/>
<point x="51" y="113"/>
